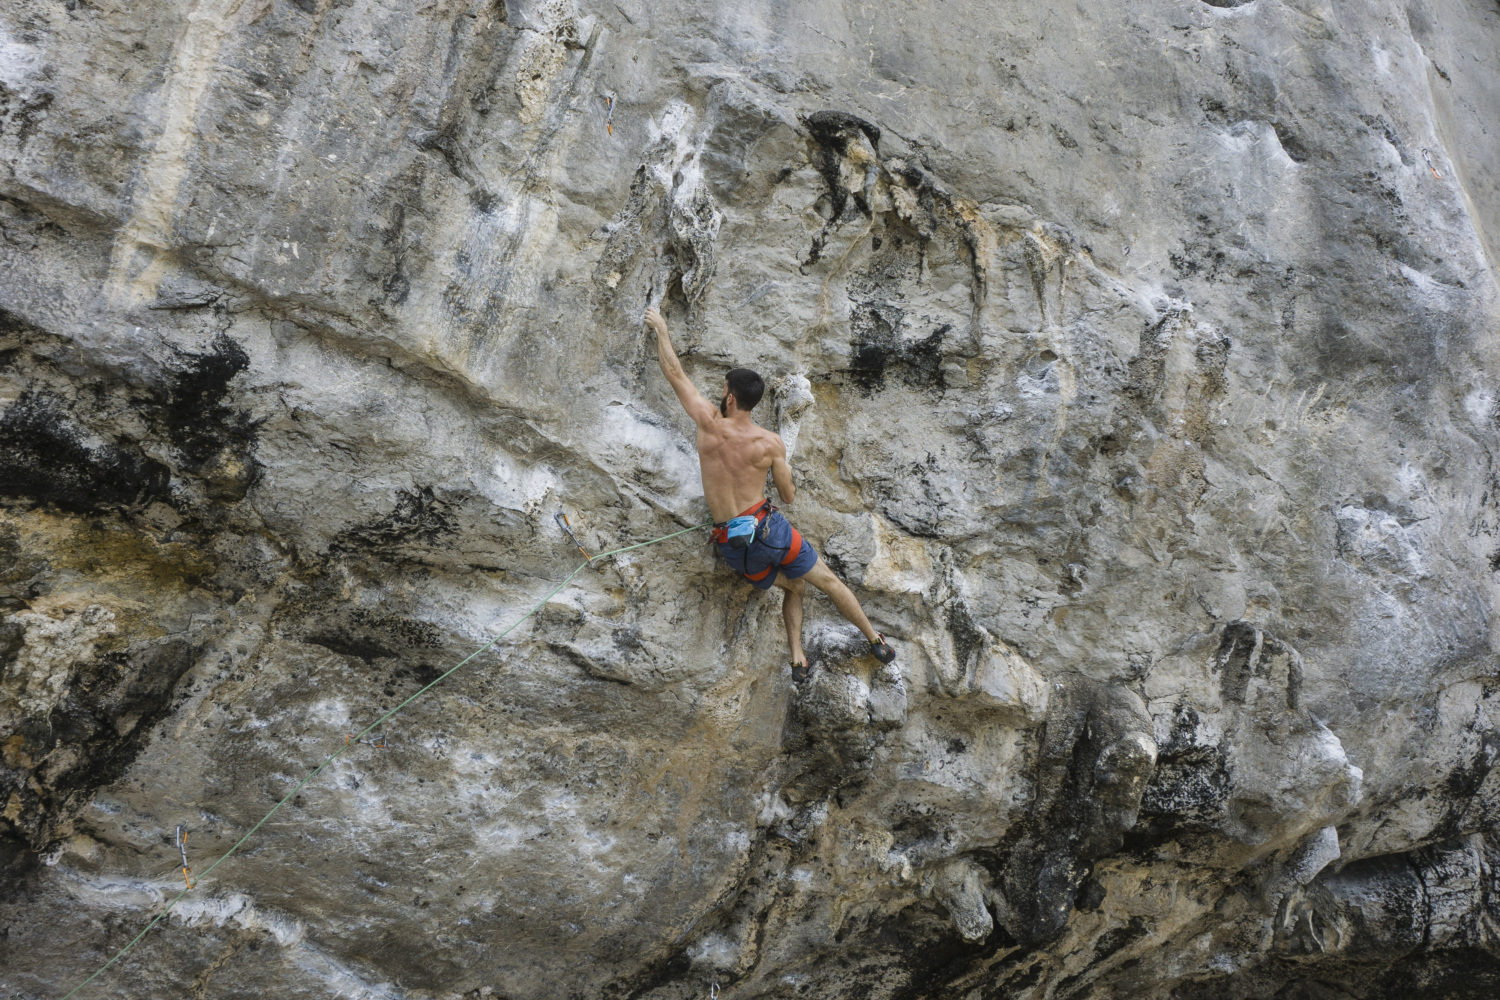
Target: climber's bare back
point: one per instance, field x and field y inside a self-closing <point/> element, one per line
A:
<point x="734" y="452"/>
<point x="735" y="457"/>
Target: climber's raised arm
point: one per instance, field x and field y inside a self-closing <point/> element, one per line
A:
<point x="693" y="401"/>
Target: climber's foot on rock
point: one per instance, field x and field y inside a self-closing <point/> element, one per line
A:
<point x="881" y="650"/>
<point x="801" y="672"/>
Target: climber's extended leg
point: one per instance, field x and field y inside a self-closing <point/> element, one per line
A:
<point x="843" y="598"/>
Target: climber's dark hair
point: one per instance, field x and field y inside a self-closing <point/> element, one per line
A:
<point x="746" y="387"/>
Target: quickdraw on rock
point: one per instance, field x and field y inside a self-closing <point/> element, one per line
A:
<point x="562" y="522"/>
<point x="1427" y="155"/>
<point x="187" y="871"/>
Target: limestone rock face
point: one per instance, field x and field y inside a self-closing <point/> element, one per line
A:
<point x="1139" y="369"/>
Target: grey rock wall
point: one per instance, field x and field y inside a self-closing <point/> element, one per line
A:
<point x="1139" y="369"/>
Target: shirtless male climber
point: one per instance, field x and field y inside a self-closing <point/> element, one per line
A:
<point x="735" y="454"/>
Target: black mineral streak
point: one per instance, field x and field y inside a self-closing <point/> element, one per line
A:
<point x="877" y="352"/>
<point x="833" y="131"/>
<point x="198" y="419"/>
<point x="134" y="684"/>
<point x="419" y="518"/>
<point x="1189" y="788"/>
<point x="45" y="458"/>
<point x="967" y="639"/>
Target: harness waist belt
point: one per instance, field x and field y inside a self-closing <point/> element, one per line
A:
<point x="760" y="511"/>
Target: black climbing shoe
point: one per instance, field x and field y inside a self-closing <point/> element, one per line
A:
<point x="881" y="650"/>
<point x="801" y="672"/>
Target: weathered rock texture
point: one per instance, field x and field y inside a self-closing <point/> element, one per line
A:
<point x="1142" y="368"/>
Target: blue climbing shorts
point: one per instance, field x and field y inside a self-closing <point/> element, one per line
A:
<point x="778" y="547"/>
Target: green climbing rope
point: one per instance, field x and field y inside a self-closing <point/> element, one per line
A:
<point x="349" y="744"/>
